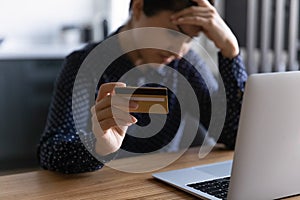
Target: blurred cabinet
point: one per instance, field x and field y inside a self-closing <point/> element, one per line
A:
<point x="26" y="88"/>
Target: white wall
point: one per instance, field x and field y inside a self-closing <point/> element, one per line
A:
<point x="119" y="13"/>
<point x="40" y="20"/>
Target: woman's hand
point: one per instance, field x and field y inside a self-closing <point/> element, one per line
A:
<point x="110" y="120"/>
<point x="205" y="17"/>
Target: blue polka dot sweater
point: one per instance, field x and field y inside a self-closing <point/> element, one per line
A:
<point x="63" y="149"/>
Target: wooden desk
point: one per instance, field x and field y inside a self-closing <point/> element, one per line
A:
<point x="104" y="184"/>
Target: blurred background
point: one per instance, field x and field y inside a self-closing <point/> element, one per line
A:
<point x="36" y="35"/>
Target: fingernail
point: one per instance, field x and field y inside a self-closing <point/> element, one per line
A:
<point x="133" y="119"/>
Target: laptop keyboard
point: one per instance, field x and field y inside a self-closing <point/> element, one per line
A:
<point x="216" y="187"/>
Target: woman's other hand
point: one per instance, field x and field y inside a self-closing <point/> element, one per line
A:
<point x="205" y="18"/>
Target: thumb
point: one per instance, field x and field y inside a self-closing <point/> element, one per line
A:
<point x="108" y="88"/>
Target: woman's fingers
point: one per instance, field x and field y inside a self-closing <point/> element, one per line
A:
<point x="110" y="110"/>
<point x="112" y="117"/>
<point x="191" y="11"/>
<point x="115" y="122"/>
<point x="115" y="113"/>
<point x="115" y="101"/>
<point x="193" y="20"/>
<point x="196" y="19"/>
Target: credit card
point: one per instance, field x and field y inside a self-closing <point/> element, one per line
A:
<point x="149" y="99"/>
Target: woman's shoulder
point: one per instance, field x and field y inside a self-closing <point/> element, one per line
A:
<point x="80" y="54"/>
<point x="72" y="64"/>
<point x="73" y="61"/>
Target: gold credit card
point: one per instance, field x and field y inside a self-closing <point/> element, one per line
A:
<point x="149" y="99"/>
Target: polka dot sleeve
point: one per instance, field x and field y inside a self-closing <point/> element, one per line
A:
<point x="234" y="77"/>
<point x="60" y="146"/>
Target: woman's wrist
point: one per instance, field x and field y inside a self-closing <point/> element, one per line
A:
<point x="230" y="49"/>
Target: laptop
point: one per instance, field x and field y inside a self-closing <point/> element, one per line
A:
<point x="266" y="163"/>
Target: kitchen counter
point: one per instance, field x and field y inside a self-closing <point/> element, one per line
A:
<point x="10" y="51"/>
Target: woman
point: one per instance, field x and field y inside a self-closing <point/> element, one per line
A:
<point x="62" y="149"/>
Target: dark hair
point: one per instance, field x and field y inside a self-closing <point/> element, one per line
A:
<point x="152" y="7"/>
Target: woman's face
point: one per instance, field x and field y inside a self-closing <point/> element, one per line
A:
<point x="171" y="43"/>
